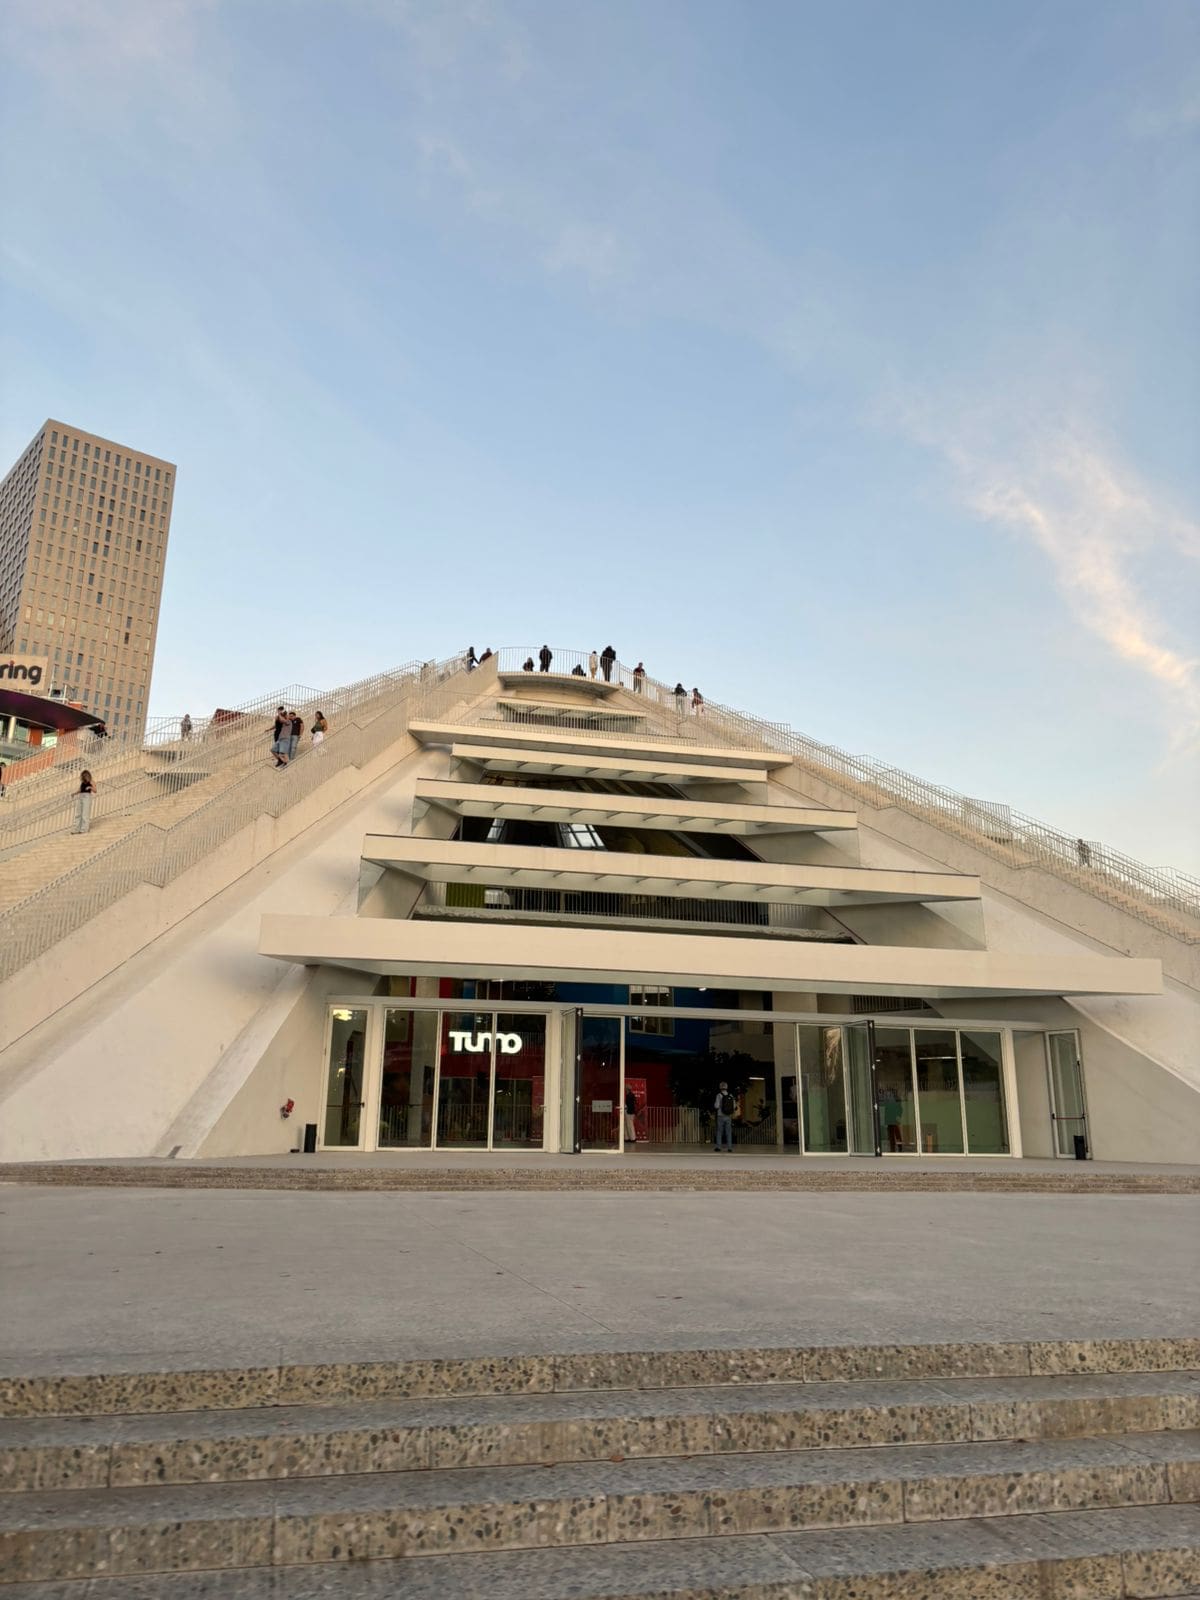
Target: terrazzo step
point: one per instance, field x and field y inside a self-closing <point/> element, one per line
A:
<point x="1137" y="1554"/>
<point x="699" y="1171"/>
<point x="89" y="1533"/>
<point x="235" y="1388"/>
<point x="297" y="1441"/>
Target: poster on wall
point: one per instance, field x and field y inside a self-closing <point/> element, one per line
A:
<point x="637" y="1088"/>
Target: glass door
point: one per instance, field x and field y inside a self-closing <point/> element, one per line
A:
<point x="344" y="1078"/>
<point x="410" y="1052"/>
<point x="858" y="1049"/>
<point x="1068" y="1112"/>
<point x="602" y="1109"/>
<point x="898" y="1128"/>
<point x="465" y="1080"/>
<point x="519" y="1080"/>
<point x="823" y="1115"/>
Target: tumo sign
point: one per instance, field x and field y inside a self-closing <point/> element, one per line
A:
<point x="507" y="1044"/>
<point x="29" y="670"/>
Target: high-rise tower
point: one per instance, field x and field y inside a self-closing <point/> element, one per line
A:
<point x="83" y="540"/>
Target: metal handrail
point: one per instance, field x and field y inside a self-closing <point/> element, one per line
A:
<point x="44" y="804"/>
<point x="1158" y="896"/>
<point x="155" y="855"/>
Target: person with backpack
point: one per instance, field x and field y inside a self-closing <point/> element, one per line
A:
<point x="631" y="1111"/>
<point x="724" y="1105"/>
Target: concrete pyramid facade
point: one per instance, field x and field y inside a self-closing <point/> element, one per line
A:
<point x="640" y="895"/>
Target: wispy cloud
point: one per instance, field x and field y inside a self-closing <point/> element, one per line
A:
<point x="1097" y="525"/>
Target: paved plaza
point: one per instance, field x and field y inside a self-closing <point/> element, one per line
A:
<point x="125" y="1279"/>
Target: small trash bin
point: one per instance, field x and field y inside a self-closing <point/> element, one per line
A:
<point x="310" y="1138"/>
<point x="1081" y="1151"/>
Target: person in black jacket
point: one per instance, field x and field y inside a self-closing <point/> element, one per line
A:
<point x="545" y="656"/>
<point x="607" y="657"/>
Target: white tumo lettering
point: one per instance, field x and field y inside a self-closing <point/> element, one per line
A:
<point x="463" y="1041"/>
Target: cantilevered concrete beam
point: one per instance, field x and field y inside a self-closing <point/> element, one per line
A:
<point x="499" y="758"/>
<point x="597" y="955"/>
<point x="690" y="877"/>
<point x="573" y="740"/>
<point x="627" y="811"/>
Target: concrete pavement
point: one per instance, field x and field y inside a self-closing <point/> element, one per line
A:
<point x="125" y="1279"/>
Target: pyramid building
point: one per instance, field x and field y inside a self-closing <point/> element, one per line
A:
<point x="504" y="909"/>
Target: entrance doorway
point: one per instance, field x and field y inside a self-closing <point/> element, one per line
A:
<point x="1068" y="1109"/>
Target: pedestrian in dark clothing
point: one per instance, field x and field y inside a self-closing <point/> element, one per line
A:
<point x="296" y="730"/>
<point x="680" y="699"/>
<point x="83" y="803"/>
<point x="471" y="661"/>
<point x="185" y="726"/>
<point x="545" y="656"/>
<point x="577" y="671"/>
<point x="486" y="656"/>
<point x="528" y="664"/>
<point x="607" y="657"/>
<point x="281" y="737"/>
<point x="639" y="678"/>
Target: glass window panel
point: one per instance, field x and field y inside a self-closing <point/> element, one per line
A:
<point x="862" y="1104"/>
<point x="520" y="1082"/>
<point x="464" y="1095"/>
<point x="822" y="1090"/>
<point x="600" y="1106"/>
<point x="937" y="1091"/>
<point x="1066" y="1081"/>
<point x="410" y="1041"/>
<point x="894" y="1087"/>
<point x="344" y="1079"/>
<point x="983" y="1090"/>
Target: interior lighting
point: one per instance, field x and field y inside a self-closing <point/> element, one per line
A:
<point x="343" y="1016"/>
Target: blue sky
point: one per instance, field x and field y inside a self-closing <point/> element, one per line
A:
<point x="844" y="360"/>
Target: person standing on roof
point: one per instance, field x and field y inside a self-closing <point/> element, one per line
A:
<point x="471" y="661"/>
<point x="281" y="737"/>
<point x="83" y="803"/>
<point x="185" y="726"/>
<point x="639" y="678"/>
<point x="607" y="656"/>
<point x="680" y="699"/>
<point x="593" y="664"/>
<point x="697" y="702"/>
<point x="545" y="656"/>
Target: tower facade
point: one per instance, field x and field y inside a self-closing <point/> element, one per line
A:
<point x="84" y="523"/>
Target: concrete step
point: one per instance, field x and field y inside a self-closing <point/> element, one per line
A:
<point x="636" y="1171"/>
<point x="90" y="1394"/>
<point x="1139" y="1553"/>
<point x="85" y="1533"/>
<point x="294" y="1441"/>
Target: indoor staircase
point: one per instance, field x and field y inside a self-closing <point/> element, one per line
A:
<point x="846" y="1473"/>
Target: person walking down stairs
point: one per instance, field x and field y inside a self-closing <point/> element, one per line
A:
<point x="297" y="728"/>
<point x="319" y="729"/>
<point x="281" y="737"/>
<point x="83" y="803"/>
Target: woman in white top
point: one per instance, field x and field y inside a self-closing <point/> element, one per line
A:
<point x="593" y="664"/>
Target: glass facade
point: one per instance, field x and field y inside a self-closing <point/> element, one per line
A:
<point x="406" y="1072"/>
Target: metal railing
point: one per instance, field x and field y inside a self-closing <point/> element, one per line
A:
<point x="156" y="855"/>
<point x="211" y="738"/>
<point x="1159" y="896"/>
<point x="46" y="804"/>
<point x="473" y="899"/>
